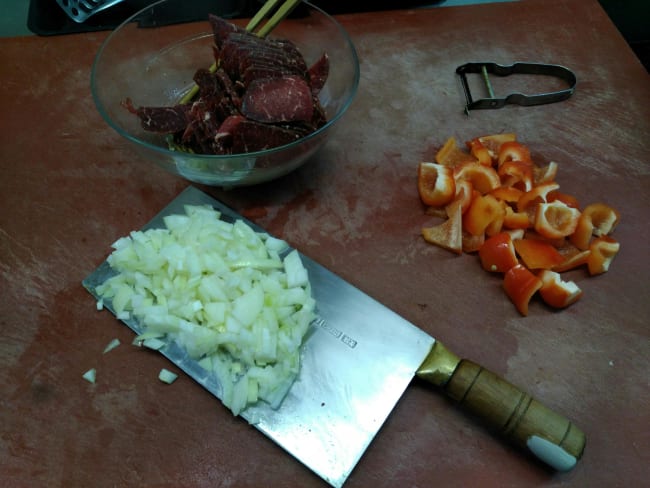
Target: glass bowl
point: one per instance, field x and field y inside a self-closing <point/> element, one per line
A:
<point x="153" y="63"/>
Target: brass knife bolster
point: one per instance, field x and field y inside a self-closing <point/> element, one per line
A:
<point x="505" y="408"/>
<point x="439" y="365"/>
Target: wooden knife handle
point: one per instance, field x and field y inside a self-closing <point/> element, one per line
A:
<point x="515" y="414"/>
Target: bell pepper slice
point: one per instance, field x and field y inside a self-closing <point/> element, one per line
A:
<point x="449" y="234"/>
<point x="517" y="174"/>
<point x="556" y="243"/>
<point x="536" y="195"/>
<point x="544" y="174"/>
<point x="597" y="219"/>
<point x="573" y="258"/>
<point x="484" y="178"/>
<point x="569" y="200"/>
<point x="440" y="212"/>
<point x="516" y="220"/>
<point x="603" y="250"/>
<point x="520" y="285"/>
<point x="537" y="254"/>
<point x="556" y="219"/>
<point x="603" y="217"/>
<point x="480" y="152"/>
<point x="497" y="254"/>
<point x="464" y="194"/>
<point x="496" y="225"/>
<point x="484" y="210"/>
<point x="451" y="155"/>
<point x="513" y="151"/>
<point x="436" y="184"/>
<point x="515" y="233"/>
<point x="493" y="143"/>
<point x="556" y="292"/>
<point x="508" y="194"/>
<point x="472" y="243"/>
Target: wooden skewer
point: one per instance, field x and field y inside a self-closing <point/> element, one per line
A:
<point x="282" y="12"/>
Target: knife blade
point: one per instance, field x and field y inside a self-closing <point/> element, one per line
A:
<point x="356" y="362"/>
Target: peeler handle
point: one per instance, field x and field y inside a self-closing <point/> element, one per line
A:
<point x="553" y="70"/>
<point x="505" y="408"/>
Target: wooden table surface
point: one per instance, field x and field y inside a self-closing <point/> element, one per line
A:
<point x="69" y="187"/>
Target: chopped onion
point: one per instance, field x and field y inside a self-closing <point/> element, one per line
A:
<point x="90" y="375"/>
<point x="138" y="341"/>
<point x="111" y="345"/>
<point x="153" y="343"/>
<point x="167" y="376"/>
<point x="223" y="293"/>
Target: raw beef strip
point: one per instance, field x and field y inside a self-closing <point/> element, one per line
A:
<point x="164" y="120"/>
<point x="273" y="100"/>
<point x="240" y="51"/>
<point x="318" y="73"/>
<point x="221" y="28"/>
<point x="238" y="134"/>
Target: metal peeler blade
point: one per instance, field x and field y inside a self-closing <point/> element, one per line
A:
<point x="515" y="98"/>
<point x="80" y="10"/>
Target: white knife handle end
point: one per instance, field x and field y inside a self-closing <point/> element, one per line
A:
<point x="552" y="454"/>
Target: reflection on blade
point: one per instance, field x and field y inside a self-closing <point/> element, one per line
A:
<point x="356" y="362"/>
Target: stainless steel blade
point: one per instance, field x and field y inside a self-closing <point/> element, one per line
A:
<point x="356" y="362"/>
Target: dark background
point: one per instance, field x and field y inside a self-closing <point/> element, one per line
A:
<point x="45" y="17"/>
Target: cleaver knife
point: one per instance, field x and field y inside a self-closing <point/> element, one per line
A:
<point x="356" y="362"/>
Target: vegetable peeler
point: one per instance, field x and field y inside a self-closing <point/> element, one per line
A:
<point x="485" y="69"/>
<point x="80" y="10"/>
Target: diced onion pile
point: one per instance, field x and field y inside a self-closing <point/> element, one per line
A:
<point x="223" y="292"/>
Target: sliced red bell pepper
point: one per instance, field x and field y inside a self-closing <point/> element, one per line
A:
<point x="556" y="292"/>
<point x="603" y="217"/>
<point x="518" y="174"/>
<point x="480" y="152"/>
<point x="573" y="261"/>
<point x="449" y="234"/>
<point x="536" y="195"/>
<point x="436" y="184"/>
<point x="596" y="219"/>
<point x="515" y="233"/>
<point x="603" y="250"/>
<point x="537" y="254"/>
<point x="508" y="194"/>
<point x="440" y="212"/>
<point x="556" y="242"/>
<point x="484" y="178"/>
<point x="472" y="243"/>
<point x="544" y="174"/>
<point x="465" y="193"/>
<point x="520" y="285"/>
<point x="451" y="155"/>
<point x="484" y="211"/>
<point x="573" y="257"/>
<point x="556" y="219"/>
<point x="497" y="254"/>
<point x="569" y="200"/>
<point x="496" y="225"/>
<point x="513" y="151"/>
<point x="493" y="143"/>
<point x="516" y="220"/>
